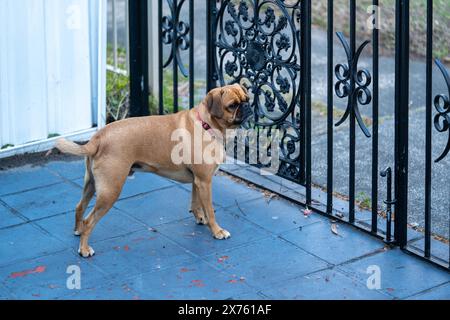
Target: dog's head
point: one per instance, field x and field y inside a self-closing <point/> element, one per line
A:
<point x="229" y="105"/>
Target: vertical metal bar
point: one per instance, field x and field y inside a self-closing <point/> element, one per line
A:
<point x="114" y="21"/>
<point x="160" y="60"/>
<point x="352" y="116"/>
<point x="428" y="139"/>
<point x="330" y="109"/>
<point x="306" y="90"/>
<point x="389" y="202"/>
<point x="211" y="12"/>
<point x="401" y="120"/>
<point x="175" y="59"/>
<point x="375" y="105"/>
<point x="127" y="35"/>
<point x="139" y="79"/>
<point x="191" y="55"/>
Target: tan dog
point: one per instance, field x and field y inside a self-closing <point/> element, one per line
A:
<point x="145" y="144"/>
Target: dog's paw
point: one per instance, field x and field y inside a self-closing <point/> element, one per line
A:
<point x="222" y="234"/>
<point x="86" y="253"/>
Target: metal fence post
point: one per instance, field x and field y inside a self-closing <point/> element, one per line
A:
<point x="401" y="120"/>
<point x="306" y="90"/>
<point x="211" y="73"/>
<point x="139" y="78"/>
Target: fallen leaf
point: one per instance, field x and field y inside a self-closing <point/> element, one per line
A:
<point x="334" y="229"/>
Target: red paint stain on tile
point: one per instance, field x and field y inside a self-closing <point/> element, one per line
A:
<point x="198" y="283"/>
<point x="232" y="281"/>
<point x="184" y="270"/>
<point x="35" y="294"/>
<point x="390" y="289"/>
<point x="222" y="259"/>
<point x="139" y="239"/>
<point x="126" y="248"/>
<point x="21" y="274"/>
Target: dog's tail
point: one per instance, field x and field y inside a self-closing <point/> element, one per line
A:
<point x="66" y="146"/>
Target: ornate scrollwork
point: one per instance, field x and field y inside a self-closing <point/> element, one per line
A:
<point x="257" y="45"/>
<point x="442" y="106"/>
<point x="361" y="94"/>
<point x="175" y="33"/>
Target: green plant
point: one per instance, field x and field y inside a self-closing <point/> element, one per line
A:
<point x="117" y="87"/>
<point x="364" y="201"/>
<point x="117" y="96"/>
<point x="53" y="135"/>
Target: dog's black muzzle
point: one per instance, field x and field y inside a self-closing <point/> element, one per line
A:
<point x="245" y="113"/>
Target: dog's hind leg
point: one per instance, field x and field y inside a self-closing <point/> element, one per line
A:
<point x="108" y="188"/>
<point x="88" y="193"/>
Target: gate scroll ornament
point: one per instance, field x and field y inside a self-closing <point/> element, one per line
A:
<point x="258" y="46"/>
<point x="442" y="105"/>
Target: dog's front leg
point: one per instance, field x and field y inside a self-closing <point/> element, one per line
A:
<point x="204" y="189"/>
<point x="196" y="207"/>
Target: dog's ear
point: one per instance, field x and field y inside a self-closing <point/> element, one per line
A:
<point x="213" y="102"/>
<point x="244" y="88"/>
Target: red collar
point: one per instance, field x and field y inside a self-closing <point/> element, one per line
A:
<point x="205" y="125"/>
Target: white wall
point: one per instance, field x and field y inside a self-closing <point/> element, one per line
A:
<point x="49" y="69"/>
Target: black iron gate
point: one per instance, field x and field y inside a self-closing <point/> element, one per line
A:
<point x="261" y="45"/>
<point x="266" y="46"/>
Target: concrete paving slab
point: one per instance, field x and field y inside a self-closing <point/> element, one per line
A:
<point x="46" y="277"/>
<point x="276" y="215"/>
<point x="199" y="240"/>
<point x="251" y="264"/>
<point x="8" y="218"/>
<point x="115" y="223"/>
<point x="225" y="196"/>
<point x="114" y="290"/>
<point x="26" y="178"/>
<point x="402" y="275"/>
<point x="70" y="170"/>
<point x="348" y="244"/>
<point x="143" y="183"/>
<point x="191" y="281"/>
<point x="328" y="284"/>
<point x="139" y="252"/>
<point x="439" y="293"/>
<point x="158" y="207"/>
<point x="25" y="242"/>
<point x="46" y="201"/>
